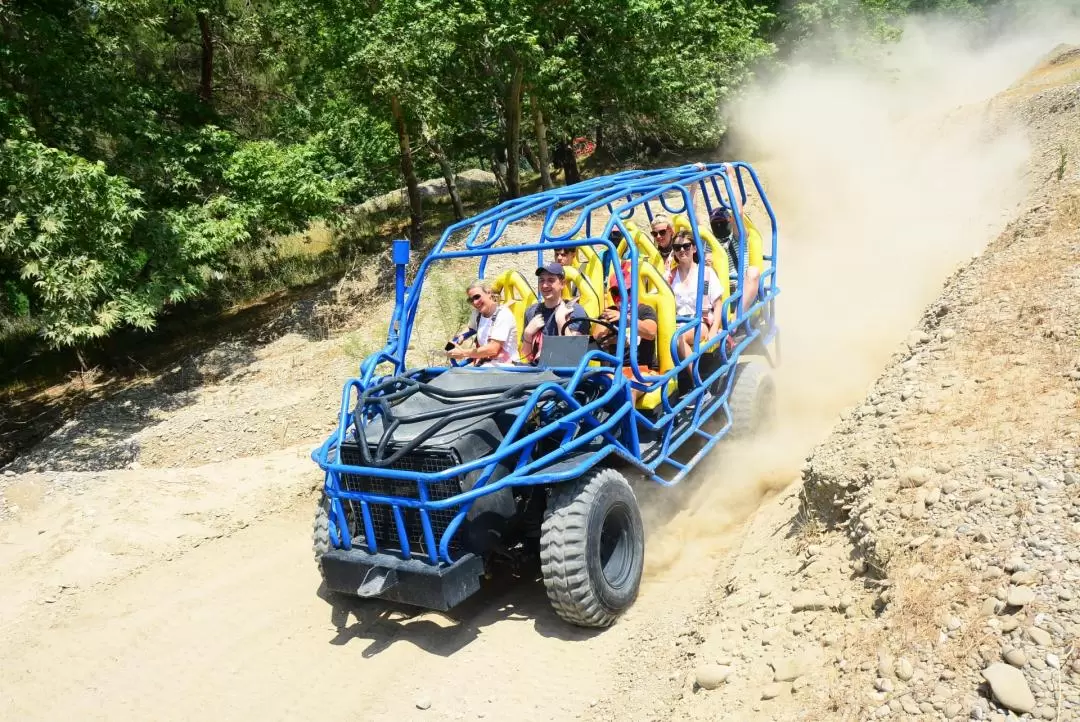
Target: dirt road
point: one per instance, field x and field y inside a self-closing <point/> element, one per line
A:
<point x="237" y="628"/>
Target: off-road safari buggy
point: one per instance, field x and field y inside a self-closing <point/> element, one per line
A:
<point x="436" y="472"/>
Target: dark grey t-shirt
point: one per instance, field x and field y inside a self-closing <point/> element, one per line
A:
<point x="550" y="324"/>
<point x="646" y="350"/>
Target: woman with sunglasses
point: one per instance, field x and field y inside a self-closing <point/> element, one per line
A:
<point x="492" y="324"/>
<point x="663" y="233"/>
<point x="683" y="280"/>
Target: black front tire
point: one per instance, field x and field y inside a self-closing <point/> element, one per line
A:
<point x="592" y="549"/>
<point x="320" y="532"/>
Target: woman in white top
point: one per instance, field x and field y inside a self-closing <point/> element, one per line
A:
<point x="683" y="280"/>
<point x="493" y="325"/>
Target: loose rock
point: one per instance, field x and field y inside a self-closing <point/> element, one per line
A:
<point x="1009" y="687"/>
<point x="786" y="670"/>
<point x="809" y="602"/>
<point x="1020" y="596"/>
<point x="1039" y="636"/>
<point x="915" y="476"/>
<point x="1016" y="657"/>
<point x="711" y="676"/>
<point x="771" y="691"/>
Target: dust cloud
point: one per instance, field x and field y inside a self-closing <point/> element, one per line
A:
<point x="886" y="175"/>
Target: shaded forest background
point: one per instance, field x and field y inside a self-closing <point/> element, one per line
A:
<point x="163" y="156"/>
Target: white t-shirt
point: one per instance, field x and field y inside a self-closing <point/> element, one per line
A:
<point x="685" y="290"/>
<point x="502" y="326"/>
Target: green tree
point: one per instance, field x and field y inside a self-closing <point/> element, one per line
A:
<point x="126" y="185"/>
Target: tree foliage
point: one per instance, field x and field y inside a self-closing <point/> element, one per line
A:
<point x="148" y="142"/>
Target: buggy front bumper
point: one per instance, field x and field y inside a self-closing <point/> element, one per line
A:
<point x="408" y="581"/>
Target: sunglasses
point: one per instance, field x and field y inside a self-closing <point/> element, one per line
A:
<point x="682" y="246"/>
<point x="661" y="232"/>
<point x="475" y="297"/>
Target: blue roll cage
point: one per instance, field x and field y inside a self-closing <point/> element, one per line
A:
<point x="620" y="194"/>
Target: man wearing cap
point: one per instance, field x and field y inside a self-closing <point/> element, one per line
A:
<point x="549" y="315"/>
<point x="645" y="332"/>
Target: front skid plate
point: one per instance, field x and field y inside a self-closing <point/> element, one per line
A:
<point x="408" y="581"/>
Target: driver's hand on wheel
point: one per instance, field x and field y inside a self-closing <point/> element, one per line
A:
<point x="458" y="353"/>
<point x="610" y="315"/>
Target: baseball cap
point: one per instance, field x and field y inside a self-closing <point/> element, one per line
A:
<point x="554" y="268"/>
<point x="613" y="283"/>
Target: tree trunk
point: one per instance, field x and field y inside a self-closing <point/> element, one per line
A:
<point x="498" y="169"/>
<point x="541" y="144"/>
<point x="206" y="84"/>
<point x="448" y="176"/>
<point x="416" y="211"/>
<point x="513" y="133"/>
<point x="530" y="157"/>
<point x="565" y="159"/>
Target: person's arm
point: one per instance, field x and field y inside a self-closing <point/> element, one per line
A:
<point x="490" y="349"/>
<point x="601" y="333"/>
<point x="646" y="327"/>
<point x="715" y="294"/>
<point x="753" y="282"/>
<point x="533" y="325"/>
<point x="567" y="317"/>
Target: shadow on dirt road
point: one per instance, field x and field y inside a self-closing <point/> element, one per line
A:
<point x="505" y="598"/>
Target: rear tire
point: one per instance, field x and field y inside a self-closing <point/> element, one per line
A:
<point x="320" y="533"/>
<point x="753" y="399"/>
<point x="592" y="549"/>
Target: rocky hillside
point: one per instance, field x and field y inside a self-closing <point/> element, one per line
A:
<point x="928" y="565"/>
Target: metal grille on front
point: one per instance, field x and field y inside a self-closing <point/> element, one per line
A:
<point x="382" y="516"/>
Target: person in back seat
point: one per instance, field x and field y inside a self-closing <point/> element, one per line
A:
<point x="684" y="284"/>
<point x="494" y="327"/>
<point x="724" y="230"/>
<point x="663" y="233"/>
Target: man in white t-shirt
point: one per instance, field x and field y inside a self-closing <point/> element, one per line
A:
<point x="494" y="327"/>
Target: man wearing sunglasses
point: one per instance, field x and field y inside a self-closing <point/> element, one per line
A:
<point x="494" y="327"/>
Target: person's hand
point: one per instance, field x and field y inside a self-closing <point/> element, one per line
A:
<point x="535" y="325"/>
<point x="458" y="353"/>
<point x="699" y="166"/>
<point x="611" y="315"/>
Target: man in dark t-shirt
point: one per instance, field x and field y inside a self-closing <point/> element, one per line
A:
<point x="645" y="333"/>
<point x="551" y="315"/>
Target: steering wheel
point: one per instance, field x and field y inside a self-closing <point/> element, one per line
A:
<point x="607" y="324"/>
